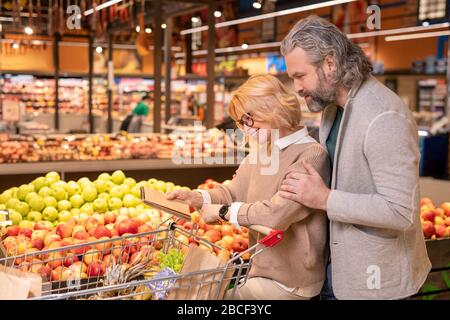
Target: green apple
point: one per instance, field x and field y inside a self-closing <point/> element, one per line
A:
<point x="151" y="181"/>
<point x="177" y="188"/>
<point x="23" y="191"/>
<point x="3" y="207"/>
<point x="39" y="183"/>
<point x="34" y="216"/>
<point x="104" y="176"/>
<point x="50" y="202"/>
<point x="60" y="194"/>
<point x="82" y="180"/>
<point x="53" y="175"/>
<point x="14" y="192"/>
<point x="64" y="205"/>
<point x="114" y="203"/>
<point x="72" y="188"/>
<point x="75" y="212"/>
<point x="130" y="201"/>
<point x="37" y="203"/>
<point x="136" y="191"/>
<point x="23" y="208"/>
<point x="141" y="184"/>
<point x="15" y="217"/>
<point x="27" y="224"/>
<point x="51" y="181"/>
<point x="125" y="189"/>
<point x="5" y="196"/>
<point x="100" y="205"/>
<point x="101" y="185"/>
<point x="45" y="192"/>
<point x="169" y="186"/>
<point x="116" y="192"/>
<point x="76" y="200"/>
<point x="29" y="196"/>
<point x="160" y="185"/>
<point x="118" y="177"/>
<point x="59" y="184"/>
<point x="133" y="212"/>
<point x="89" y="194"/>
<point x="87" y="208"/>
<point x="104" y="195"/>
<point x="85" y="185"/>
<point x="130" y="182"/>
<point x="64" y="215"/>
<point x="12" y="203"/>
<point x="50" y="214"/>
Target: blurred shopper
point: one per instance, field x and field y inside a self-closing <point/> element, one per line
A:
<point x="377" y="246"/>
<point x="295" y="268"/>
<point x="133" y="122"/>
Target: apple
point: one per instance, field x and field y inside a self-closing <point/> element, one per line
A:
<point x="99" y="218"/>
<point x="118" y="177"/>
<point x="104" y="176"/>
<point x="45" y="192"/>
<point x="89" y="194"/>
<point x="16" y="217"/>
<point x="228" y="240"/>
<point x="81" y="235"/>
<point x="55" y="260"/>
<point x="45" y="272"/>
<point x="50" y="202"/>
<point x="144" y="228"/>
<point x="70" y="259"/>
<point x="441" y="231"/>
<point x="212" y="235"/>
<point x="37" y="243"/>
<point x="96" y="269"/>
<point x="26" y="232"/>
<point x="224" y="255"/>
<point x="428" y="216"/>
<point x="110" y="217"/>
<point x="114" y="232"/>
<point x="78" y="267"/>
<point x="30" y="196"/>
<point x="53" y="175"/>
<point x="105" y="246"/>
<point x="130" y="201"/>
<point x="439" y="221"/>
<point x="124" y="211"/>
<point x="26" y="224"/>
<point x="91" y="223"/>
<point x="195" y="217"/>
<point x="39" y="234"/>
<point x="23" y="191"/>
<point x="12" y="231"/>
<point x="114" y="203"/>
<point x="50" y="238"/>
<point x="34" y="216"/>
<point x="127" y="226"/>
<point x="446" y="207"/>
<point x="57" y="273"/>
<point x="136" y="191"/>
<point x="439" y="212"/>
<point x="102" y="231"/>
<point x="23" y="208"/>
<point x="77" y="228"/>
<point x="116" y="192"/>
<point x="227" y="230"/>
<point x="91" y="256"/>
<point x="43" y="225"/>
<point x="101" y="186"/>
<point x="239" y="245"/>
<point x="50" y="214"/>
<point x="80" y="249"/>
<point x="100" y="205"/>
<point x="64" y="230"/>
<point x="87" y="208"/>
<point x="72" y="188"/>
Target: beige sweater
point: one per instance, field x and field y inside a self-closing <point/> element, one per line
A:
<point x="299" y="260"/>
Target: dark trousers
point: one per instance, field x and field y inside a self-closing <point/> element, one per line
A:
<point x="327" y="289"/>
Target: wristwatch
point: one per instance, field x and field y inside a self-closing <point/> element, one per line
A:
<point x="223" y="212"/>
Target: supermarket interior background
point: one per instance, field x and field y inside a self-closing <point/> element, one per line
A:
<point x="71" y="72"/>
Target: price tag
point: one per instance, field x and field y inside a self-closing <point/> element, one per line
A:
<point x="11" y="110"/>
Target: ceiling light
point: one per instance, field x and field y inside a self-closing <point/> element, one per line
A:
<point x="138" y="29"/>
<point x="418" y="35"/>
<point x="28" y="30"/>
<point x="257" y="5"/>
<point x="148" y="30"/>
<point x="99" y="49"/>
<point x="397" y="31"/>
<point x="195" y="19"/>
<point x="101" y="6"/>
<point x="217" y="14"/>
<point x="15" y="46"/>
<point x="244" y="46"/>
<point x="164" y="26"/>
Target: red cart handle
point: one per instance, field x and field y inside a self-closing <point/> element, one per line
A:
<point x="272" y="239"/>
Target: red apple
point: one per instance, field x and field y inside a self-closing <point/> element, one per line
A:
<point x="441" y="231"/>
<point x="80" y="249"/>
<point x="227" y="230"/>
<point x="91" y="256"/>
<point x="447" y="221"/>
<point x="70" y="259"/>
<point x="25" y="232"/>
<point x="102" y="231"/>
<point x="51" y="237"/>
<point x="110" y="217"/>
<point x="64" y="230"/>
<point x="37" y="243"/>
<point x="425" y="201"/>
<point x="239" y="245"/>
<point x="42" y="225"/>
<point x="45" y="272"/>
<point x="124" y="211"/>
<point x="78" y="267"/>
<point x="144" y="228"/>
<point x="96" y="269"/>
<point x="212" y="235"/>
<point x="91" y="223"/>
<point x="81" y="235"/>
<point x="188" y="225"/>
<point x="57" y="273"/>
<point x="446" y="207"/>
<point x="12" y="231"/>
<point x="55" y="260"/>
<point x="128" y="226"/>
<point x="428" y="216"/>
<point x="39" y="234"/>
<point x="114" y="233"/>
<point x="439" y="212"/>
<point x="105" y="247"/>
<point x="181" y="222"/>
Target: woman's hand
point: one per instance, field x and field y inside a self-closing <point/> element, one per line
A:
<point x="210" y="212"/>
<point x="193" y="198"/>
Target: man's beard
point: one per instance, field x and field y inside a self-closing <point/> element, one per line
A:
<point x="323" y="96"/>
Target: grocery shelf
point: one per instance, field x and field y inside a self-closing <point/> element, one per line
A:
<point x="95" y="166"/>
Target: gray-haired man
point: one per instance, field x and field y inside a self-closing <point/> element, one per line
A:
<point x="376" y="242"/>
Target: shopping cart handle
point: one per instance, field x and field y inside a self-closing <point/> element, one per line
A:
<point x="272" y="238"/>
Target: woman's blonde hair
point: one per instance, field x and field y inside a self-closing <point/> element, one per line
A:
<point x="265" y="98"/>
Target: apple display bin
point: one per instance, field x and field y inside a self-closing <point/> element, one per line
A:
<point x="162" y="239"/>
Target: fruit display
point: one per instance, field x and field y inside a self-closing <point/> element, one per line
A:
<point x="120" y="146"/>
<point x="435" y="220"/>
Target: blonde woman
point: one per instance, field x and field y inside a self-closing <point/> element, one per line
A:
<point x="295" y="268"/>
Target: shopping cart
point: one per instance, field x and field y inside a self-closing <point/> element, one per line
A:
<point x="212" y="283"/>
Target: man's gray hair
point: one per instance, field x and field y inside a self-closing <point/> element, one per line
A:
<point x="320" y="38"/>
